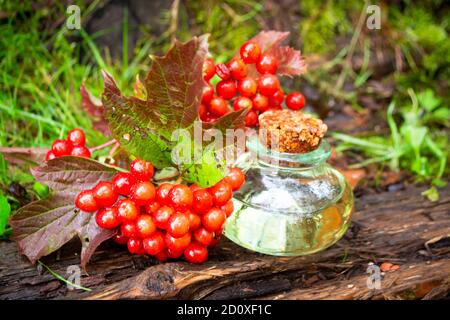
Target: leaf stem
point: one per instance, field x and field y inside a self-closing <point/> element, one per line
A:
<point x="61" y="278"/>
<point x="104" y="145"/>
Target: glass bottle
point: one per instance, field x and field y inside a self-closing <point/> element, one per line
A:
<point x="291" y="204"/>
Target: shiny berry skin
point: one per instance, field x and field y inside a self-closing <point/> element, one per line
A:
<point x="129" y="229"/>
<point x="203" y="201"/>
<point x="268" y="63"/>
<point x="181" y="197"/>
<point x="235" y="178"/>
<point x="174" y="254"/>
<point x="162" y="215"/>
<point x="50" y="156"/>
<point x="260" y="103"/>
<point x="154" y="244"/>
<point x="145" y="226"/>
<point x="251" y="118"/>
<point x="242" y="103"/>
<point x="226" y="89"/>
<point x="221" y="193"/>
<point x="162" y="193"/>
<point x="214" y="219"/>
<point x="177" y="244"/>
<point x="61" y="148"/>
<point x="237" y="68"/>
<point x="141" y="169"/>
<point x="216" y="238"/>
<point x="268" y="84"/>
<point x="196" y="253"/>
<point x="107" y="218"/>
<point x="81" y="152"/>
<point x="223" y="71"/>
<point x="152" y="207"/>
<point x="207" y="94"/>
<point x="202" y="111"/>
<point x="134" y="245"/>
<point x="76" y="137"/>
<point x="277" y="98"/>
<point x="85" y="201"/>
<point x="228" y="208"/>
<point x="209" y="69"/>
<point x="194" y="187"/>
<point x="127" y="209"/>
<point x="218" y="106"/>
<point x="247" y="87"/>
<point x="194" y="221"/>
<point x="123" y="182"/>
<point x="250" y="52"/>
<point x="295" y="100"/>
<point x="178" y="224"/>
<point x="104" y="194"/>
<point x="119" y="238"/>
<point x="203" y="236"/>
<point x="143" y="193"/>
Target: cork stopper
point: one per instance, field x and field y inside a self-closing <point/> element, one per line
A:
<point x="290" y="131"/>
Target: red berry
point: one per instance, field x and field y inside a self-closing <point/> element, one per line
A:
<point x="141" y="169"/>
<point x="221" y="193"/>
<point x="152" y="208"/>
<point x="178" y="224"/>
<point x="268" y="63"/>
<point x="216" y="238"/>
<point x="50" y="155"/>
<point x="123" y="182"/>
<point x="214" y="219"/>
<point x="242" y="103"/>
<point x="196" y="253"/>
<point x="127" y="209"/>
<point x="145" y="226"/>
<point x="226" y="89"/>
<point x="129" y="229"/>
<point x="237" y="68"/>
<point x="81" y="152"/>
<point x="194" y="187"/>
<point x="260" y="103"/>
<point x="203" y="201"/>
<point x="154" y="244"/>
<point x="235" y="178"/>
<point x="104" y="194"/>
<point x="207" y="93"/>
<point x="61" y="148"/>
<point x="268" y="84"/>
<point x="203" y="236"/>
<point x="85" y="201"/>
<point x="250" y="52"/>
<point x="251" y="118"/>
<point x="202" y="111"/>
<point x="295" y="100"/>
<point x="174" y="254"/>
<point x="162" y="216"/>
<point x="277" y="98"/>
<point x="143" y="193"/>
<point x="218" y="106"/>
<point x="222" y="71"/>
<point x="181" y="197"/>
<point x="208" y="69"/>
<point x="247" y="87"/>
<point x="134" y="245"/>
<point x="177" y="244"/>
<point x="76" y="137"/>
<point x="162" y="256"/>
<point x="228" y="208"/>
<point x="162" y="193"/>
<point x="120" y="239"/>
<point x="107" y="218"/>
<point x="194" y="221"/>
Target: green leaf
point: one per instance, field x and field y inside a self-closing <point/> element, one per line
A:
<point x="41" y="189"/>
<point x="428" y="100"/>
<point x="432" y="194"/>
<point x="5" y="210"/>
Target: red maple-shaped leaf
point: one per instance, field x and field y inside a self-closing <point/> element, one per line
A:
<point x="95" y="109"/>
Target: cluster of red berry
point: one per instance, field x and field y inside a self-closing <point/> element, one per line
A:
<point x="74" y="145"/>
<point x="260" y="94"/>
<point x="165" y="222"/>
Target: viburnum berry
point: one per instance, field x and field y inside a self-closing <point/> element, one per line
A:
<point x="268" y="84"/>
<point x="208" y="69"/>
<point x="76" y="137"/>
<point x="216" y="238"/>
<point x="194" y="221"/>
<point x="226" y="89"/>
<point x="277" y="98"/>
<point x="238" y="69"/>
<point x="194" y="187"/>
<point x="218" y="106"/>
<point x="221" y="192"/>
<point x="143" y="193"/>
<point x="61" y="148"/>
<point x="176" y="245"/>
<point x="242" y="103"/>
<point x="223" y="71"/>
<point x="85" y="201"/>
<point x="154" y="244"/>
<point x="152" y="207"/>
<point x="214" y="219"/>
<point x="295" y="100"/>
<point x="50" y="156"/>
<point x="174" y="254"/>
<point x="141" y="169"/>
<point x="119" y="238"/>
<point x="228" y="208"/>
<point x="129" y="229"/>
<point x="162" y="216"/>
<point x="134" y="245"/>
<point x="250" y="52"/>
<point x="247" y="87"/>
<point x="181" y="197"/>
<point x="178" y="224"/>
<point x="251" y="118"/>
<point x="127" y="210"/>
<point x="145" y="225"/>
<point x="260" y="103"/>
<point x="81" y="152"/>
<point x="235" y="178"/>
<point x="202" y="112"/>
<point x="268" y="63"/>
<point x="203" y="201"/>
<point x="203" y="236"/>
<point x="162" y="193"/>
<point x="207" y="94"/>
<point x="196" y="253"/>
<point x="107" y="218"/>
<point x="104" y="194"/>
<point x="122" y="183"/>
<point x="162" y="256"/>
